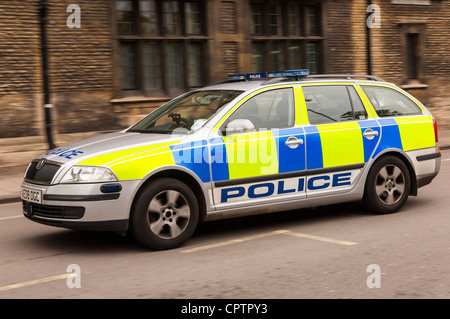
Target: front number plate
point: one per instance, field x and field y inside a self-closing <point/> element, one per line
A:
<point x="31" y="195"/>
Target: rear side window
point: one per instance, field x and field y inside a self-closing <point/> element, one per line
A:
<point x="389" y="102"/>
<point x="333" y="103"/>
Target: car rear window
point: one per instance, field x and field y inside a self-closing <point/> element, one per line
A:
<point x="389" y="102"/>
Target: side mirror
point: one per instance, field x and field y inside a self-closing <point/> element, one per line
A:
<point x="239" y="126"/>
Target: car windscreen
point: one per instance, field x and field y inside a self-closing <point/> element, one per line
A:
<point x="189" y="112"/>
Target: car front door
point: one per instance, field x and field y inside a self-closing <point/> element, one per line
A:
<point x="258" y="152"/>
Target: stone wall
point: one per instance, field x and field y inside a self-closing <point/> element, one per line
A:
<point x="81" y="67"/>
<point x="20" y="83"/>
<point x="84" y="66"/>
<point x="80" y="64"/>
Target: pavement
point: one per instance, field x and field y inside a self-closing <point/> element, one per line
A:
<point x="16" y="154"/>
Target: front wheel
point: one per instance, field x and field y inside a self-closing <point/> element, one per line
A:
<point x="388" y="185"/>
<point x="165" y="214"/>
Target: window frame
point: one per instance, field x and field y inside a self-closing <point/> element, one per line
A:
<point x="286" y="37"/>
<point x="412" y="56"/>
<point x="416" y="29"/>
<point x="138" y="38"/>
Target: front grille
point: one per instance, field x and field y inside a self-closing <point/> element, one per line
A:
<point x="64" y="212"/>
<point x="44" y="175"/>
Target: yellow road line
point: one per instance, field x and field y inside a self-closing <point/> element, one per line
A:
<point x="276" y="232"/>
<point x="11" y="217"/>
<point x="35" y="282"/>
<point x="234" y="241"/>
<point x="330" y="240"/>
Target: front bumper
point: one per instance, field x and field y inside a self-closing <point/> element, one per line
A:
<point x="82" y="206"/>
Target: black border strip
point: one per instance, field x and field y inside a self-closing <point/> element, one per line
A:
<point x="428" y="157"/>
<point x="82" y="198"/>
<point x="263" y="178"/>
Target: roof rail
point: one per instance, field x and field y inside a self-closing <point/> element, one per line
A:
<point x="292" y="75"/>
<point x="345" y="76"/>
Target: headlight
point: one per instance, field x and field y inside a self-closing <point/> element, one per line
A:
<point x="89" y="174"/>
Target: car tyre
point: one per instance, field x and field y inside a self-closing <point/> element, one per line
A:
<point x="165" y="214"/>
<point x="388" y="185"/>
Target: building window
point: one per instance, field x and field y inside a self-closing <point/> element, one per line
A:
<point x="127" y="66"/>
<point x="152" y="65"/>
<point x="276" y="56"/>
<point x="412" y="55"/>
<point x="171" y="18"/>
<point x="193" y="18"/>
<point x="174" y="66"/>
<point x="160" y="42"/>
<point x="124" y="16"/>
<point x="148" y="17"/>
<point x="285" y="35"/>
<point x="257" y="56"/>
<point x="257" y="19"/>
<point x="295" y="56"/>
<point x="275" y="19"/>
<point x="312" y="20"/>
<point x="293" y="19"/>
<point x="312" y="58"/>
<point x="195" y="64"/>
<point x="412" y="36"/>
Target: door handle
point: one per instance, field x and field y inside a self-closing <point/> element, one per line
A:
<point x="370" y="134"/>
<point x="293" y="142"/>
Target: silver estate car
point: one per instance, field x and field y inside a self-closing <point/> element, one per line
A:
<point x="256" y="143"/>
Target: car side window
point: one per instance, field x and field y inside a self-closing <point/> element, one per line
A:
<point x="389" y="102"/>
<point x="268" y="110"/>
<point x="333" y="103"/>
<point x="358" y="107"/>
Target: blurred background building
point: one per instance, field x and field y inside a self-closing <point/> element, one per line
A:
<point x="129" y="56"/>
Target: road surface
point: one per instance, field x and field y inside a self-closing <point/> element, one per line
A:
<point x="332" y="252"/>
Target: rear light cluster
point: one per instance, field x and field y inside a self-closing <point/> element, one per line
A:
<point x="436" y="133"/>
<point x="435" y="130"/>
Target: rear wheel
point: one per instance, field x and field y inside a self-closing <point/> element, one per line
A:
<point x="165" y="214"/>
<point x="388" y="185"/>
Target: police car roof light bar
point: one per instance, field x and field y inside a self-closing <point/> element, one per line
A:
<point x="264" y="75"/>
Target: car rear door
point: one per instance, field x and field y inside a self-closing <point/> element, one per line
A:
<point x="341" y="135"/>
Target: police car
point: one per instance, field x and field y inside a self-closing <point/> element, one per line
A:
<point x="256" y="143"/>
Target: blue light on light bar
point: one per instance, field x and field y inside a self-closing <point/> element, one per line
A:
<point x="237" y="77"/>
<point x="263" y="75"/>
<point x="288" y="73"/>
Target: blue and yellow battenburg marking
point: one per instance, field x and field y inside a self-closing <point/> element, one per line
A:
<point x="193" y="156"/>
<point x="256" y="154"/>
<point x="224" y="158"/>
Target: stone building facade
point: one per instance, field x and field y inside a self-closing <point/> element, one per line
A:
<point x="126" y="57"/>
